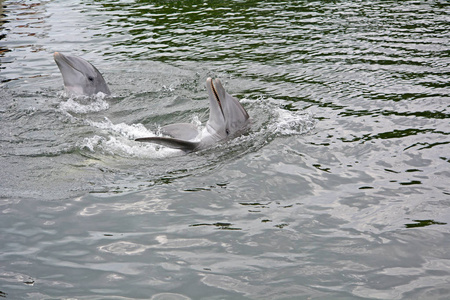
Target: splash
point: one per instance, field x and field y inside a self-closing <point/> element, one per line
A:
<point x="119" y="146"/>
<point x="129" y="131"/>
<point x="272" y="119"/>
<point x="286" y="122"/>
<point x="118" y="140"/>
<point x="83" y="104"/>
<point x="269" y="120"/>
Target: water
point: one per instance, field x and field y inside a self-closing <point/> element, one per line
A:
<point x="339" y="190"/>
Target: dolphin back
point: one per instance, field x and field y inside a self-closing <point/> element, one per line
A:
<point x="183" y="131"/>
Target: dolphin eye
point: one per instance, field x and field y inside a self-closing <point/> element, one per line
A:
<point x="227" y="131"/>
<point x="90" y="78"/>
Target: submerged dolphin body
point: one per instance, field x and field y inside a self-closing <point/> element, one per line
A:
<point x="227" y="118"/>
<point x="80" y="77"/>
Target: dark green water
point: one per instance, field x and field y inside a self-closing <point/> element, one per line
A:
<point x="339" y="191"/>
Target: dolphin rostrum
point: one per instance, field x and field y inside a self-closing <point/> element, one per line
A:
<point x="80" y="77"/>
<point x="227" y="118"/>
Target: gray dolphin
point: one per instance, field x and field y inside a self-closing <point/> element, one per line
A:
<point x="80" y="77"/>
<point x="227" y="118"/>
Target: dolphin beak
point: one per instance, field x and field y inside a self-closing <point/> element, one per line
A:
<point x="58" y="56"/>
<point x="61" y="58"/>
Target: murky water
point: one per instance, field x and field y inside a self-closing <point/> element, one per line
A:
<point x="340" y="190"/>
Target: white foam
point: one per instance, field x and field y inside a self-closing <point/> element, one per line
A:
<point x="118" y="139"/>
<point x="120" y="146"/>
<point x="79" y="108"/>
<point x="132" y="131"/>
<point x="91" y="143"/>
<point x="109" y="138"/>
<point x="288" y="122"/>
<point x="196" y="121"/>
<point x="281" y="121"/>
<point x="83" y="104"/>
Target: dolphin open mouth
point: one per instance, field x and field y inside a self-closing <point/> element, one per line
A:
<point x="216" y="95"/>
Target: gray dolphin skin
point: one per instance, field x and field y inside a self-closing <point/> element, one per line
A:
<point x="227" y="118"/>
<point x="80" y="77"/>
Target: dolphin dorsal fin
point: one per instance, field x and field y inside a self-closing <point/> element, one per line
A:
<point x="183" y="131"/>
<point x="170" y="142"/>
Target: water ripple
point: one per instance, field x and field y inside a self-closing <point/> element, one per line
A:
<point x="343" y="173"/>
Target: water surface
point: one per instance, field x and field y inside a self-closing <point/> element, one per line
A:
<point x="338" y="191"/>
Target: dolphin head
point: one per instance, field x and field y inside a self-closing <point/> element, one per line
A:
<point x="227" y="118"/>
<point x="80" y="77"/>
<point x="226" y="114"/>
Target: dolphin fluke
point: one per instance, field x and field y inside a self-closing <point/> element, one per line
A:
<point x="80" y="77"/>
<point x="227" y="118"/>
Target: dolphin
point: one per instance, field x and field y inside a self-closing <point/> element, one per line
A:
<point x="227" y="118"/>
<point x="80" y="77"/>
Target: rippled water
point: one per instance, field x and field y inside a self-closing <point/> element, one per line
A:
<point x="339" y="190"/>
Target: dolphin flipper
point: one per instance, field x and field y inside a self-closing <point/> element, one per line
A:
<point x="184" y="131"/>
<point x="170" y="142"/>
